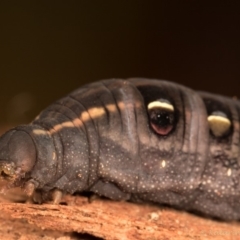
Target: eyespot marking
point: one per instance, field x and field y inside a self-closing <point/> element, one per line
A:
<point x="161" y="104"/>
<point x="219" y="123"/>
<point x="161" y="114"/>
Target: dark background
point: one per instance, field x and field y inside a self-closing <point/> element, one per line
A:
<point x="49" y="48"/>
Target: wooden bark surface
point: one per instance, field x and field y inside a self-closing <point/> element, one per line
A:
<point x="109" y="220"/>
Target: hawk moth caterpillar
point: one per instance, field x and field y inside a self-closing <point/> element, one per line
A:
<point x="135" y="139"/>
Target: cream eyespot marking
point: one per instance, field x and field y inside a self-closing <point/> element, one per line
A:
<point x="161" y="104"/>
<point x="219" y="123"/>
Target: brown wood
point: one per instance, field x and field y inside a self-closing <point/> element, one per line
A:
<point x="106" y="219"/>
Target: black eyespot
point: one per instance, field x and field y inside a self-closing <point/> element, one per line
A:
<point x="161" y="115"/>
<point x="161" y="121"/>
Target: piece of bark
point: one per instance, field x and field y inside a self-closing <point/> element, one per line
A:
<point x="121" y="220"/>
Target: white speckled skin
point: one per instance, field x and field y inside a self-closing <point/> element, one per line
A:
<point x="98" y="139"/>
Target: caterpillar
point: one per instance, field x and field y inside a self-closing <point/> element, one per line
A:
<point x="136" y="139"/>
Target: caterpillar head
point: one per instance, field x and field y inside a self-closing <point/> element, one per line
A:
<point x="17" y="156"/>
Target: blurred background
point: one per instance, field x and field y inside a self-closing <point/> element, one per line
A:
<point x="49" y="48"/>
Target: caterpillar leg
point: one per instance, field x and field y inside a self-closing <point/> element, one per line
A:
<point x="34" y="196"/>
<point x="29" y="188"/>
<point x="57" y="196"/>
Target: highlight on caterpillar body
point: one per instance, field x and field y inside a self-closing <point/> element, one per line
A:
<point x="135" y="139"/>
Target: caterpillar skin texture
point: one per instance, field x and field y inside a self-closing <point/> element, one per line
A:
<point x="101" y="138"/>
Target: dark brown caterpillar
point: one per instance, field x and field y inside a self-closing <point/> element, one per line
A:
<point x="135" y="139"/>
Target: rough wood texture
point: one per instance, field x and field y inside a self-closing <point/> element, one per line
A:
<point x="112" y="220"/>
